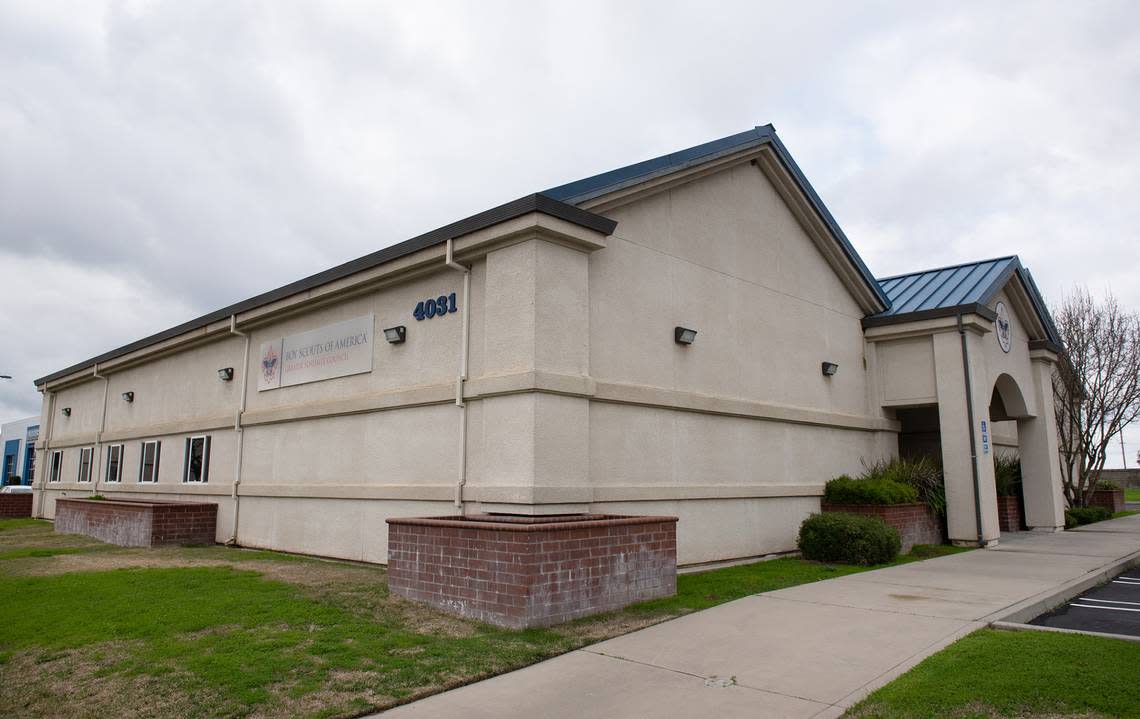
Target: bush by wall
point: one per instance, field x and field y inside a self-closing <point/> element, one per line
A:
<point x="847" y="538"/>
<point x="845" y="490"/>
<point x="1007" y="475"/>
<point x="923" y="474"/>
<point x="1076" y="516"/>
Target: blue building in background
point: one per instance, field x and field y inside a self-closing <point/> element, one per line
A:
<point x="18" y="442"/>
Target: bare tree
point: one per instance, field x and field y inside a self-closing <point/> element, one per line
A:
<point x="1096" y="389"/>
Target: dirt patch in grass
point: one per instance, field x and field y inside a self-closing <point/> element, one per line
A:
<point x="74" y="684"/>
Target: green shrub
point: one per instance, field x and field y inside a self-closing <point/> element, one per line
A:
<point x="1077" y="516"/>
<point x="847" y="538"/>
<point x="923" y="474"/>
<point x="1007" y="475"/>
<point x="1107" y="485"/>
<point x="845" y="490"/>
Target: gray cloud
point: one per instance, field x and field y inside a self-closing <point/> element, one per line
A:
<point x="159" y="160"/>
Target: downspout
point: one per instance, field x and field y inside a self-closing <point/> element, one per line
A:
<point x="238" y="429"/>
<point x="973" y="439"/>
<point x="45" y="463"/>
<point x="98" y="458"/>
<point x="461" y="480"/>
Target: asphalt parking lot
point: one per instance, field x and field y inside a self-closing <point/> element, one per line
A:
<point x="1113" y="608"/>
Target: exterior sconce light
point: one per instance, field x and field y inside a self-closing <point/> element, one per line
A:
<point x="226" y="374"/>
<point x="66" y="411"/>
<point x="128" y="396"/>
<point x="829" y="369"/>
<point x="684" y="335"/>
<point x="396" y="335"/>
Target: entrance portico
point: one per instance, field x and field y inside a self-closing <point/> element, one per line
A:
<point x="973" y="346"/>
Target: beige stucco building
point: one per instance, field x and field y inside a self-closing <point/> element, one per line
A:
<point x="540" y="369"/>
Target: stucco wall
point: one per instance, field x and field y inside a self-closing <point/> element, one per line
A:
<point x="577" y="400"/>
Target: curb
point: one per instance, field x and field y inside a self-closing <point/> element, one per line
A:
<point x="1014" y="617"/>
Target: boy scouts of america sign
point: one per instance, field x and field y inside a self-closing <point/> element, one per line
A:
<point x="330" y="351"/>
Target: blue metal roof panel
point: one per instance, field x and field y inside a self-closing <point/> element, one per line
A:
<point x="944" y="286"/>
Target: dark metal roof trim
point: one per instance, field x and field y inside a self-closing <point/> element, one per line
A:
<point x="974" y="308"/>
<point x="1046" y="345"/>
<point x="607" y="182"/>
<point x="487" y="218"/>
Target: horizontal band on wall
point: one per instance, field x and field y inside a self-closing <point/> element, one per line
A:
<point x="496" y="386"/>
<point x="446" y="492"/>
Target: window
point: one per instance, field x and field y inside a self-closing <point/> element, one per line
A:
<point x="56" y="466"/>
<point x="197" y="466"/>
<point x="30" y="464"/>
<point x="85" y="456"/>
<point x="115" y="463"/>
<point x="148" y="465"/>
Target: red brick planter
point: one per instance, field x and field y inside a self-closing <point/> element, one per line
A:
<point x="1112" y="499"/>
<point x="130" y="523"/>
<point x="1009" y="513"/>
<point x="15" y="505"/>
<point x="915" y="522"/>
<point x="532" y="571"/>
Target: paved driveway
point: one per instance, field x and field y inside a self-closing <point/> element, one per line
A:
<point x="806" y="651"/>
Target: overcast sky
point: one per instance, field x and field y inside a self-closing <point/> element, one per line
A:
<point x="159" y="160"/>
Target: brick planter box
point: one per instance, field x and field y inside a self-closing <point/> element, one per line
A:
<point x="532" y="571"/>
<point x="1009" y="513"/>
<point x="915" y="522"/>
<point x="15" y="505"/>
<point x="130" y="523"/>
<point x="1112" y="499"/>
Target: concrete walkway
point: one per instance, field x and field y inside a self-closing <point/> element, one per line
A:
<point x="806" y="651"/>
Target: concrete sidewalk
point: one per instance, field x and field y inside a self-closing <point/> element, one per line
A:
<point x="806" y="651"/>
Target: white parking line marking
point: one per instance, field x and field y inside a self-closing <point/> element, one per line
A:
<point x="1130" y="584"/>
<point x="1115" y="609"/>
<point x="1108" y="601"/>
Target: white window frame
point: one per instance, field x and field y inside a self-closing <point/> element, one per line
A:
<point x="112" y="450"/>
<point x="142" y="462"/>
<point x="204" y="475"/>
<point x="55" y="470"/>
<point x="90" y="453"/>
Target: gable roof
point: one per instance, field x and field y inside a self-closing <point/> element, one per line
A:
<point x="584" y="190"/>
<point x="966" y="288"/>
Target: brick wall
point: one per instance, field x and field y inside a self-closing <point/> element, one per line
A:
<point x="532" y="571"/>
<point x="1113" y="499"/>
<point x="130" y="523"/>
<point x="1122" y="477"/>
<point x="915" y="522"/>
<point x="1009" y="514"/>
<point x="15" y="505"/>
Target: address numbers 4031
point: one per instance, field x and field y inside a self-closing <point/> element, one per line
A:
<point x="436" y="307"/>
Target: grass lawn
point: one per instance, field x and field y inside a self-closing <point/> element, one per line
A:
<point x="1015" y="674"/>
<point x="1132" y="494"/>
<point x="101" y="631"/>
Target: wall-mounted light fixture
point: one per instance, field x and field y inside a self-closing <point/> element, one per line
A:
<point x="829" y="369"/>
<point x="66" y="411"/>
<point x="128" y="396"/>
<point x="684" y="335"/>
<point x="396" y="335"/>
<point x="226" y="374"/>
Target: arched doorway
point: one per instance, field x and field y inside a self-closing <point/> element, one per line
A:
<point x="1007" y="408"/>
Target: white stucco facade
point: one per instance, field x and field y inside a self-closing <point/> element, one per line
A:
<point x="575" y="396"/>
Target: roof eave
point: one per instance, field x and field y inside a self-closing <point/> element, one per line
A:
<point x="517" y="208"/>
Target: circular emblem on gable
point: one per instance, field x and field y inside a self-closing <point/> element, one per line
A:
<point x="1004" y="333"/>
